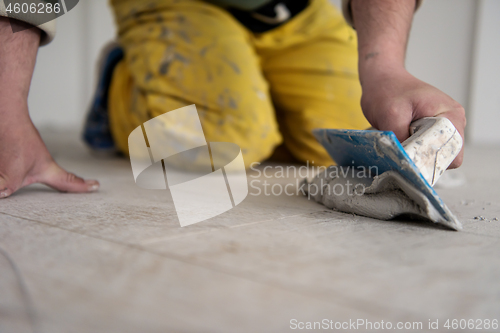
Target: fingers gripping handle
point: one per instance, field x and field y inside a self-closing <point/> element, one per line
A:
<point x="433" y="145"/>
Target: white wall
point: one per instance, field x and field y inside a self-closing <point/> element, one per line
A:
<point x="485" y="92"/>
<point x="64" y="76"/>
<point x="99" y="34"/>
<point x="440" y="52"/>
<point x="56" y="93"/>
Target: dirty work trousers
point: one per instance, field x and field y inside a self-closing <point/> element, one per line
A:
<point x="255" y="90"/>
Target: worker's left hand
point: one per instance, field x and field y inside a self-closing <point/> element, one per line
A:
<point x="393" y="99"/>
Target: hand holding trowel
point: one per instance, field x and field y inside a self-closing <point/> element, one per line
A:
<point x="405" y="173"/>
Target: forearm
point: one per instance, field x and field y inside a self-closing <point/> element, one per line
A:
<point x="383" y="27"/>
<point x="18" y="53"/>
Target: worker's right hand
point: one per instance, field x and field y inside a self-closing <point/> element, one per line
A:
<point x="393" y="99"/>
<point x="25" y="160"/>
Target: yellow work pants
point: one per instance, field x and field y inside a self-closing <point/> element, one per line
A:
<point x="255" y="90"/>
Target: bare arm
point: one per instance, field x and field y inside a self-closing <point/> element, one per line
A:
<point x="24" y="159"/>
<point x="392" y="97"/>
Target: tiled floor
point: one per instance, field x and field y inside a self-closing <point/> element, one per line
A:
<point x="118" y="261"/>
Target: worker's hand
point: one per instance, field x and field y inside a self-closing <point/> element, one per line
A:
<point x="25" y="160"/>
<point x="392" y="99"/>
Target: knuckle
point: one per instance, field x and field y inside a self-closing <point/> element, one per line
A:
<point x="395" y="117"/>
<point x="393" y="114"/>
<point x="458" y="110"/>
<point x="70" y="177"/>
<point x="457" y="162"/>
<point x="461" y="115"/>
